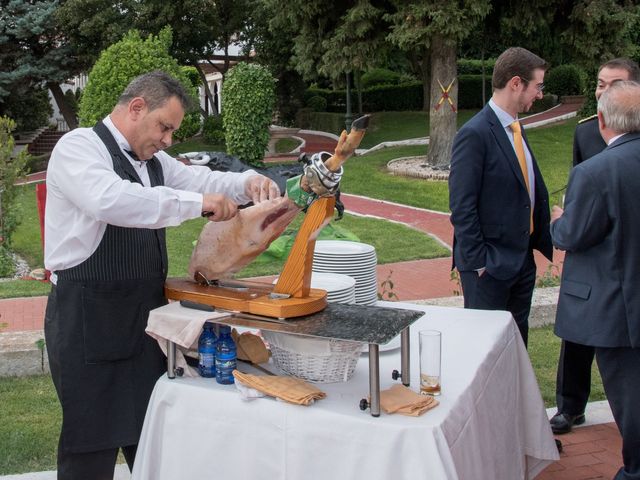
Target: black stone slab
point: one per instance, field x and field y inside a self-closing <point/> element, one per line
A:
<point x="360" y="323"/>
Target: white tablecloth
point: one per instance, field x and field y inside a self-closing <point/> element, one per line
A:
<point x="490" y="424"/>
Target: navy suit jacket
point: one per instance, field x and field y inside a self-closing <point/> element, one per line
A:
<point x="587" y="140"/>
<point x="489" y="201"/>
<point x="599" y="301"/>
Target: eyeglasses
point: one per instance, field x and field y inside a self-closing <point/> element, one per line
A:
<point x="539" y="87"/>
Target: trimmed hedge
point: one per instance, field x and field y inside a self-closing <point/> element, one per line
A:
<point x="248" y="98"/>
<point x="122" y="62"/>
<point x="379" y="76"/>
<point x="468" y="66"/>
<point x="404" y="97"/>
<point x="565" y="80"/>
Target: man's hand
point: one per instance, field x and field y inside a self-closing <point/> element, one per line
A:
<point x="260" y="188"/>
<point x="218" y="208"/>
<point x="556" y="213"/>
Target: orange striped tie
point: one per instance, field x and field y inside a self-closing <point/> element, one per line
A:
<point x="519" y="146"/>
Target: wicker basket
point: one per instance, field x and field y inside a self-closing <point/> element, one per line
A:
<point x="316" y="360"/>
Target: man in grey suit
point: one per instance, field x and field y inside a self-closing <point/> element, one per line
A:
<point x="573" y="383"/>
<point x="599" y="229"/>
<point x="499" y="202"/>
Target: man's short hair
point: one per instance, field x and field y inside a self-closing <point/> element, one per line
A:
<point x="156" y="88"/>
<point x="620" y="106"/>
<point x="515" y="62"/>
<point x="623" y="63"/>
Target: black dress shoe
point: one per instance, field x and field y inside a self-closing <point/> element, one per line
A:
<point x="562" y="422"/>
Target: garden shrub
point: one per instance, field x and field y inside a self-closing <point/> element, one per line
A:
<point x="564" y="80"/>
<point x="10" y="170"/>
<point x="470" y="91"/>
<point x="121" y="63"/>
<point x="213" y="129"/>
<point x="248" y="99"/>
<point x="317" y="103"/>
<point x="379" y="76"/>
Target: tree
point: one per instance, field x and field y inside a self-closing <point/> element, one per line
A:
<point x="34" y="52"/>
<point x="438" y="26"/>
<point x="273" y="43"/>
<point x="200" y="27"/>
<point x="122" y="62"/>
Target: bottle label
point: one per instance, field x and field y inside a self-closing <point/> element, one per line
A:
<point x="207" y="359"/>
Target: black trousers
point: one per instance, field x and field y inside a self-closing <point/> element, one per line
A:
<point x="573" y="381"/>
<point x="620" y="370"/>
<point x="98" y="465"/>
<point x="514" y="295"/>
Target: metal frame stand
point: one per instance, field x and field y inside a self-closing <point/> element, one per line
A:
<point x="172" y="371"/>
<point x="374" y="373"/>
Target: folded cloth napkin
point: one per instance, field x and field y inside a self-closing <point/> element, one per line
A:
<point x="250" y="347"/>
<point x="400" y="399"/>
<point x="182" y="326"/>
<point x="289" y="389"/>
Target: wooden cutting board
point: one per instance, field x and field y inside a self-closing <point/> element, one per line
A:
<point x="252" y="301"/>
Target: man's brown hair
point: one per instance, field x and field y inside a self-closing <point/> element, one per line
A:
<point x="515" y="62"/>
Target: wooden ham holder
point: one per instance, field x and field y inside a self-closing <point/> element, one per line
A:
<point x="292" y="295"/>
<point x="294" y="281"/>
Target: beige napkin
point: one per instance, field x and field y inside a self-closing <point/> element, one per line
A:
<point x="289" y="389"/>
<point x="400" y="399"/>
<point x="183" y="327"/>
<point x="250" y="347"/>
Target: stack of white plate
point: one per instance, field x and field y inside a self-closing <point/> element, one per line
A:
<point x="357" y="260"/>
<point x="340" y="288"/>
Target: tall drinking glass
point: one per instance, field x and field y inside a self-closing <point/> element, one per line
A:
<point x="430" y="349"/>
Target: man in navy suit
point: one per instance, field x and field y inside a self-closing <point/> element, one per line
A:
<point x="498" y="200"/>
<point x="573" y="383"/>
<point x="599" y="303"/>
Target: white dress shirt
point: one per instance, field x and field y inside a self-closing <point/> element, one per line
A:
<point x="84" y="194"/>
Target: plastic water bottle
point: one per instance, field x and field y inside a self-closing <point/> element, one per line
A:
<point x="225" y="356"/>
<point x="207" y="351"/>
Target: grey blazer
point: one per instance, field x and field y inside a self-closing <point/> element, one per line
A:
<point x="599" y="302"/>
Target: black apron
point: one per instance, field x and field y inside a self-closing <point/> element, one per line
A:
<point x="103" y="365"/>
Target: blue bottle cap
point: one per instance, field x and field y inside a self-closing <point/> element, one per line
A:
<point x="224" y="329"/>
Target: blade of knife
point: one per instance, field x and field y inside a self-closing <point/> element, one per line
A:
<point x="241" y="285"/>
<point x="247" y="316"/>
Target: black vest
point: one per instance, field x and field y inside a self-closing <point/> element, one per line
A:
<point x="124" y="253"/>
